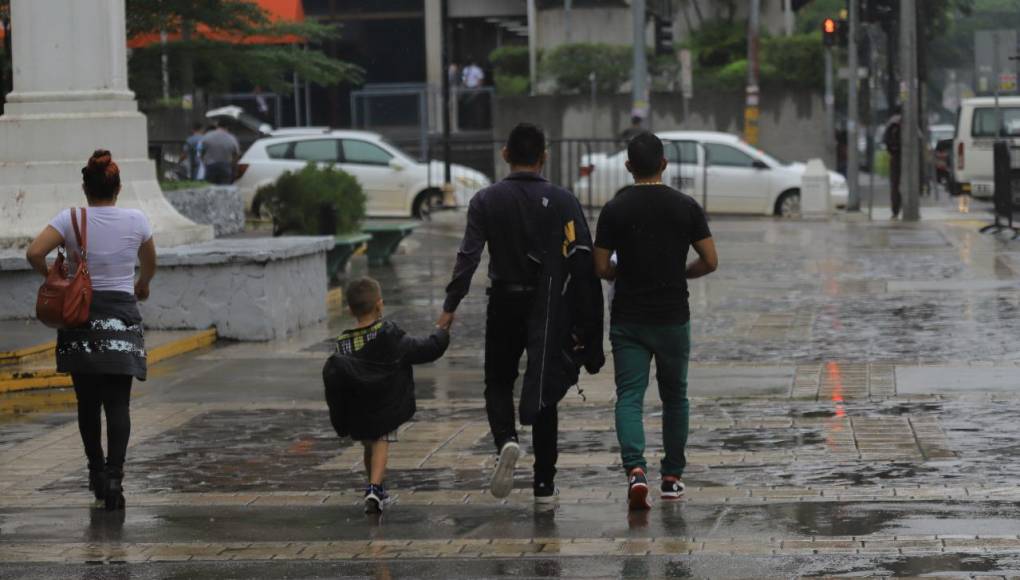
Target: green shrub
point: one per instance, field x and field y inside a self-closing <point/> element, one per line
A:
<point x="720" y="57"/>
<point x="512" y="85"/>
<point x="570" y="64"/>
<point x="510" y="60"/>
<point x="295" y="199"/>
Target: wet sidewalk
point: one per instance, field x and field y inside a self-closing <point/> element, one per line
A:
<point x="853" y="414"/>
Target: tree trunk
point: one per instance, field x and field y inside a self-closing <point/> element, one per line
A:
<point x="187" y="60"/>
<point x="7" y="66"/>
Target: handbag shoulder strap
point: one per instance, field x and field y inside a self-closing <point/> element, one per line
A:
<point x="82" y="236"/>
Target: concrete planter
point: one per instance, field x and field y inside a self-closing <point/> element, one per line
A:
<point x="219" y="206"/>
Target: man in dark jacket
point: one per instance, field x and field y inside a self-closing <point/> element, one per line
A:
<point x="370" y="384"/>
<point x="543" y="298"/>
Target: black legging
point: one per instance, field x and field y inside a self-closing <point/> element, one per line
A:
<point x="111" y="393"/>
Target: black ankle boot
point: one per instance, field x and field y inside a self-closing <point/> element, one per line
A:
<point x="97" y="482"/>
<point x="114" y="490"/>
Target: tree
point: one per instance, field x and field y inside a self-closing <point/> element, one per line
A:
<point x="217" y="62"/>
<point x="216" y="59"/>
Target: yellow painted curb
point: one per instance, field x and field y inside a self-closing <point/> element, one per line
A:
<point x="14" y="356"/>
<point x="11" y="382"/>
<point x="335" y="298"/>
<point x="181" y="346"/>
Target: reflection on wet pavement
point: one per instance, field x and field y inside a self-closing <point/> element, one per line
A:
<point x="853" y="412"/>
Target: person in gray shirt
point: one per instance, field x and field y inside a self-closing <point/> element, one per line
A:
<point x="220" y="151"/>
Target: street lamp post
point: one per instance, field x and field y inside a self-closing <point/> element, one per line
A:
<point x="852" y="163"/>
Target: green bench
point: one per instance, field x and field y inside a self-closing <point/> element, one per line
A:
<point x="346" y="247"/>
<point x="385" y="238"/>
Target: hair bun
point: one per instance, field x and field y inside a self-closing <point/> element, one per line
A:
<point x="100" y="160"/>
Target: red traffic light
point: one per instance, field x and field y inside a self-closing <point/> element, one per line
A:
<point x="829" y="32"/>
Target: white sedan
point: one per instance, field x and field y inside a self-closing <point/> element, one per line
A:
<point x="740" y="178"/>
<point x="395" y="184"/>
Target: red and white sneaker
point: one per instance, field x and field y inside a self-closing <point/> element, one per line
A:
<point x="637" y="494"/>
<point x="673" y="488"/>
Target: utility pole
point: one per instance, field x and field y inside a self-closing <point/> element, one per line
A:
<point x="444" y="40"/>
<point x="532" y="46"/>
<point x="830" y="100"/>
<point x="853" y="110"/>
<point x="788" y="17"/>
<point x="751" y="104"/>
<point x="639" y="71"/>
<point x="909" y="153"/>
<point x="566" y="20"/>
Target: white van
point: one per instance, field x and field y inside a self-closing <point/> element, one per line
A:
<point x="975" y="135"/>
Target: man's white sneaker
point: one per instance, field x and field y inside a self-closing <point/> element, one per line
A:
<point x="503" y="477"/>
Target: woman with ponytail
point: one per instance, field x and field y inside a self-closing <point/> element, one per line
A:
<point x="105" y="354"/>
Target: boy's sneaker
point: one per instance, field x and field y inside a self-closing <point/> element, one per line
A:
<point x="546" y="493"/>
<point x="503" y="477"/>
<point x="637" y="495"/>
<point x="673" y="488"/>
<point x="376" y="499"/>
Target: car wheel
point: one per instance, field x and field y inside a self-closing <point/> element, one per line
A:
<point x="426" y="203"/>
<point x="788" y="204"/>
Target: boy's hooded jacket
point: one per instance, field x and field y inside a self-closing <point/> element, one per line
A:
<point x="369" y="382"/>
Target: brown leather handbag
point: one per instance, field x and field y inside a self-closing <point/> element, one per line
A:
<point x="64" y="302"/>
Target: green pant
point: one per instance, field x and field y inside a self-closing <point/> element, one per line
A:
<point x="634" y="345"/>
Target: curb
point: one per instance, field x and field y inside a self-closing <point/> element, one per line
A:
<point x="14" y="356"/>
<point x="11" y="382"/>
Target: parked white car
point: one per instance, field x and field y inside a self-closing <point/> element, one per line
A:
<point x="394" y="183"/>
<point x="974" y="170"/>
<point x="740" y="178"/>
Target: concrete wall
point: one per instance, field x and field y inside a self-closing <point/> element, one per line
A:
<point x="773" y="21"/>
<point x="791" y="125"/>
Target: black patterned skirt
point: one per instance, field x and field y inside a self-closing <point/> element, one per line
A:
<point x="110" y="343"/>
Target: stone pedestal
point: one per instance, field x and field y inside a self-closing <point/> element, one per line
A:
<point x="71" y="97"/>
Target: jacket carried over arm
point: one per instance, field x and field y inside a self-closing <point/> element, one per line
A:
<point x="369" y="381"/>
<point x="565" y="329"/>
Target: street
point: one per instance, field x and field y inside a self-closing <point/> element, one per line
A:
<point x="853" y="413"/>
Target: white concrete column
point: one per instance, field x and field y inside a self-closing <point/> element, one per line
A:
<point x="82" y="43"/>
<point x="71" y="97"/>
<point x="434" y="61"/>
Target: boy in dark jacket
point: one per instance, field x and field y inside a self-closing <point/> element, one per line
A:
<point x="370" y="384"/>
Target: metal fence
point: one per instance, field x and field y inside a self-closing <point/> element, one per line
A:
<point x="593" y="169"/>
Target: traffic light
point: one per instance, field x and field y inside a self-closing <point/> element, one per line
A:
<point x="829" y="32"/>
<point x="663" y="36"/>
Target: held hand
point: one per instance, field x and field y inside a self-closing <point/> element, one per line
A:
<point x="445" y="321"/>
<point x="142" y="290"/>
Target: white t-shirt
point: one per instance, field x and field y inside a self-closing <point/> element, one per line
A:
<point x="473" y="76"/>
<point x="114" y="236"/>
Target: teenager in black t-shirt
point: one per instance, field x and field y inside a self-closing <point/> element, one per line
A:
<point x="651" y="227"/>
